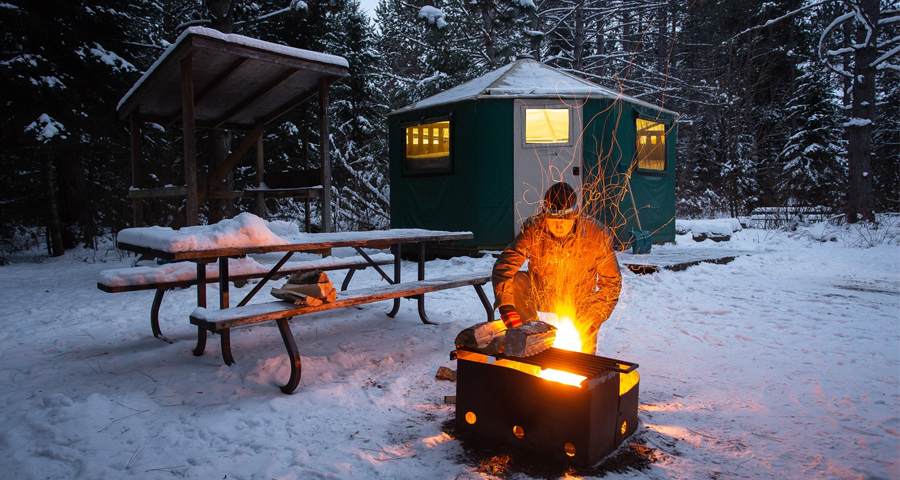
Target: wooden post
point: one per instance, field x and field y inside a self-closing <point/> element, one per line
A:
<point x="136" y="170"/>
<point x="260" y="171"/>
<point x="326" y="159"/>
<point x="192" y="207"/>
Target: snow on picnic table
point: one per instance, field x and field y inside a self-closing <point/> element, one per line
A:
<point x="781" y="364"/>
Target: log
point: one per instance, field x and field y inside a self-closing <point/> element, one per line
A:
<point x="492" y="338"/>
<point x="487" y="337"/>
<point x="296" y="298"/>
<point x="529" y="339"/>
<point x="305" y="278"/>
<point x="318" y="290"/>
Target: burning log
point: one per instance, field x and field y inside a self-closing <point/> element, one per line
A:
<point x="493" y="338"/>
<point x="308" y="289"/>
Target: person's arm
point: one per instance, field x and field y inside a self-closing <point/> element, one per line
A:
<point x="508" y="263"/>
<point x="609" y="275"/>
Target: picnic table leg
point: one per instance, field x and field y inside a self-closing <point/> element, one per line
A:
<point x="420" y="299"/>
<point x="395" y="249"/>
<point x="223" y="282"/>
<point x="225" y="336"/>
<point x="201" y="302"/>
<point x="293" y="355"/>
<point x="484" y="301"/>
<point x="154" y="312"/>
<point x="201" y="342"/>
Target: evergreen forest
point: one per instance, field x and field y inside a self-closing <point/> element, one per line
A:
<point x="790" y="102"/>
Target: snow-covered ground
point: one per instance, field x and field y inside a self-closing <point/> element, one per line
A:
<point x="781" y="364"/>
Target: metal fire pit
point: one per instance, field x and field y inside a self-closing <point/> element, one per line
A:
<point x="501" y="398"/>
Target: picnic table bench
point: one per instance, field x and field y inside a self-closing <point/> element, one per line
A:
<point x="222" y="321"/>
<point x="184" y="275"/>
<point x="200" y="246"/>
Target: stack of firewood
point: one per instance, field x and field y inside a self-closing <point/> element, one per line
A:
<point x="309" y="289"/>
<point x="492" y="338"/>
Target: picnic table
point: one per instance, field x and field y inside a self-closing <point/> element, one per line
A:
<point x="164" y="243"/>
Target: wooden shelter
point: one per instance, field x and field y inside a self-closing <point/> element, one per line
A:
<point x="208" y="79"/>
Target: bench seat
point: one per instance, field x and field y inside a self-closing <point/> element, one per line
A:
<point x="184" y="274"/>
<point x="221" y="321"/>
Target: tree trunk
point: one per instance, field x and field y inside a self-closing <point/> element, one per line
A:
<point x="535" y="39"/>
<point x="860" y="196"/>
<point x="578" y="53"/>
<point x="55" y="239"/>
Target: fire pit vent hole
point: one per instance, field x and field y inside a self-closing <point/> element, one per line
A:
<point x="470" y="417"/>
<point x="518" y="432"/>
<point x="570" y="449"/>
<point x="624" y="427"/>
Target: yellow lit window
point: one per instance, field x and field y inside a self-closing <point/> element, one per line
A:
<point x="651" y="147"/>
<point x="428" y="147"/>
<point x="546" y="125"/>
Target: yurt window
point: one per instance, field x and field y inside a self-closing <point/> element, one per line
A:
<point x="651" y="145"/>
<point x="427" y="147"/>
<point x="546" y="125"/>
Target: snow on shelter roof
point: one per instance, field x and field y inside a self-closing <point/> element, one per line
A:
<point x="237" y="81"/>
<point x="525" y="78"/>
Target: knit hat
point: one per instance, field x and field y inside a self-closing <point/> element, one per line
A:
<point x="560" y="201"/>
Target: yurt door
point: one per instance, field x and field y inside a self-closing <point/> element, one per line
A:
<point x="547" y="150"/>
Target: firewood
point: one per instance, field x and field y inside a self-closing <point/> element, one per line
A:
<point x="296" y="298"/>
<point x="486" y="337"/>
<point x="529" y="339"/>
<point x="445" y="373"/>
<point x="305" y="278"/>
<point x="318" y="290"/>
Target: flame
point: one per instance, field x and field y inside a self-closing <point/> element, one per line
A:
<point x="567" y="338"/>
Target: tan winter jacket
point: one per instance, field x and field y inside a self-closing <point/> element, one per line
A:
<point x="582" y="264"/>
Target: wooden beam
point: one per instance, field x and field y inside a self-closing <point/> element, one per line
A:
<point x="192" y="207"/>
<point x="225" y="75"/>
<point x="256" y="96"/>
<point x="291" y="104"/>
<point x="221" y="172"/>
<point x="325" y="152"/>
<point x="175" y="191"/>
<point x="136" y="167"/>
<point x="260" y="175"/>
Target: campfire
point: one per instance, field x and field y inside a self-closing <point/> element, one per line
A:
<point x="558" y="403"/>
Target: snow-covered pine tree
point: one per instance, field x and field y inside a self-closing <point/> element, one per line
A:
<point x="63" y="152"/>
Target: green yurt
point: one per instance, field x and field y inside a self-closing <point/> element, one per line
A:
<point x="478" y="157"/>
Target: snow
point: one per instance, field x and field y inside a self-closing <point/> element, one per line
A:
<point x="857" y="122"/>
<point x="781" y="364"/>
<point x="433" y="15"/>
<point x="45" y="128"/>
<point x="243" y="230"/>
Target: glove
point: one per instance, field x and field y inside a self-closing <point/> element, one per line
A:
<point x="510" y="316"/>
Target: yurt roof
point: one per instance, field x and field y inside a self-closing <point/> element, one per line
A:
<point x="525" y="78"/>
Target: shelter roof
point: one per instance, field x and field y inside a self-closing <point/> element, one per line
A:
<point x="525" y="78"/>
<point x="238" y="81"/>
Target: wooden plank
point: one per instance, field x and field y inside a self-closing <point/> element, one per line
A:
<point x="219" y="320"/>
<point x="352" y="262"/>
<point x="329" y="241"/>
<point x="136" y="167"/>
<point x="324" y="147"/>
<point x="256" y="96"/>
<point x="192" y="207"/>
<point x="159" y="192"/>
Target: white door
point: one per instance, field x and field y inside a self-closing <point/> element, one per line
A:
<point x="547" y="150"/>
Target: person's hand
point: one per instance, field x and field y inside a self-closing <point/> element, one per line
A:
<point x="510" y="316"/>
